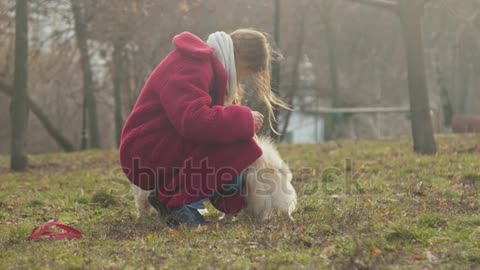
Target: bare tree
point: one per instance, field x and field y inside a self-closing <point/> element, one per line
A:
<point x="276" y="65"/>
<point x="370" y="66"/>
<point x="330" y="38"/>
<point x="411" y="13"/>
<point x="19" y="103"/>
<point x="88" y="86"/>
<point x="297" y="55"/>
<point x="119" y="83"/>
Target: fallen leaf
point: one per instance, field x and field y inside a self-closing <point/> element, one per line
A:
<point x="419" y="257"/>
<point x="300" y="229"/>
<point x="152" y="237"/>
<point x="172" y="232"/>
<point x="201" y="229"/>
<point x="375" y="251"/>
<point x="366" y="197"/>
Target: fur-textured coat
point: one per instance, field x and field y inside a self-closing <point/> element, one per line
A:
<point x="179" y="138"/>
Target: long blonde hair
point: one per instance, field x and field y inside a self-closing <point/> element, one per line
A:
<point x="253" y="51"/>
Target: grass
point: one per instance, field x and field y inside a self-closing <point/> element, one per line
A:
<point x="362" y="205"/>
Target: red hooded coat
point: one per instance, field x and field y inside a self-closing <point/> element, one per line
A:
<point x="179" y="138"/>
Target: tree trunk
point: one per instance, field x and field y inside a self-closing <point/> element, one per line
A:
<point x="135" y="78"/>
<point x="411" y="13"/>
<point x="18" y="105"/>
<point x="55" y="133"/>
<point x="476" y="81"/>
<point x="468" y="71"/>
<point x="84" y="130"/>
<point x="330" y="38"/>
<point x="90" y="102"/>
<point x="119" y="83"/>
<point x="276" y="67"/>
<point x="295" y="74"/>
<point x="447" y="107"/>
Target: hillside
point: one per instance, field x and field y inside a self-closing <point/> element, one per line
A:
<point x="395" y="210"/>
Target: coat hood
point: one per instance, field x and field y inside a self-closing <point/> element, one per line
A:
<point x="192" y="45"/>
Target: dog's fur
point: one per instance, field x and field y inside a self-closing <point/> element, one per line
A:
<point x="268" y="187"/>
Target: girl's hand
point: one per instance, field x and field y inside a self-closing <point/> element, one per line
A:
<point x="258" y="120"/>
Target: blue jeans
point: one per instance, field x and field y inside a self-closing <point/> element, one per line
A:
<point x="234" y="187"/>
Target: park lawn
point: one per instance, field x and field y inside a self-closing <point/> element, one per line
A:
<point x="362" y="205"/>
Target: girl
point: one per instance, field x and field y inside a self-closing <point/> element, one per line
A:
<point x="187" y="138"/>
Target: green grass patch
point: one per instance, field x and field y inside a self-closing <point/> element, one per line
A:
<point x="361" y="205"/>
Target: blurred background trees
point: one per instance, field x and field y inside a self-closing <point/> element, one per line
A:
<point x="88" y="61"/>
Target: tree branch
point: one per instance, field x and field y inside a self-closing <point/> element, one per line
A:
<point x="55" y="133"/>
<point x="385" y="4"/>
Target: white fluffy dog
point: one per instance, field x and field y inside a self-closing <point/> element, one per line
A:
<point x="268" y="186"/>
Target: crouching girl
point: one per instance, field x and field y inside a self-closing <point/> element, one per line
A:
<point x="187" y="137"/>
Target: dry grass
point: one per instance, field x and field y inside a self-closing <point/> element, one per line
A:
<point x="363" y="205"/>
